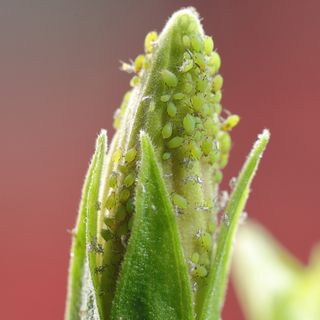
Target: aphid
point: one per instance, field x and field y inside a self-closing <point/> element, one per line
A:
<point x="206" y="240"/>
<point x="130" y="205"/>
<point x="200" y="61"/>
<point x="152" y="106"/>
<point x="178" y="96"/>
<point x="206" y="147"/>
<point x="165" y="98"/>
<point x="124" y="195"/>
<point x="196" y="43"/>
<point x="186" y="41"/>
<point x="197" y="102"/>
<point x="217" y="83"/>
<point x="211" y="227"/>
<point x="117" y="155"/>
<point x="107" y="235"/>
<point x="195" y="150"/>
<point x="195" y="257"/>
<point x="208" y="45"/>
<point x="175" y="142"/>
<point x="167" y="130"/>
<point x="179" y="201"/>
<point x="224" y="142"/>
<point x="169" y="78"/>
<point x="211" y="127"/>
<point x="217" y="176"/>
<point x="230" y="122"/>
<point x="171" y="109"/>
<point x="150" y="40"/>
<point x="134" y="81"/>
<point x="189" y="123"/>
<point x="200" y="271"/>
<point x="129" y="180"/>
<point x="111" y="201"/>
<point x="113" y="180"/>
<point x="186" y="66"/>
<point x="131" y="154"/>
<point x="166" y="156"/>
<point x="223" y="161"/>
<point x="138" y="63"/>
<point x="214" y="62"/>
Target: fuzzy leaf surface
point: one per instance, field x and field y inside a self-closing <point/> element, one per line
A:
<point x="153" y="282"/>
<point x="217" y="281"/>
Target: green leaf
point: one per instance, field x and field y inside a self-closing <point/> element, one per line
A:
<point x="271" y="284"/>
<point x="217" y="281"/>
<point x="80" y="280"/>
<point x="153" y="282"/>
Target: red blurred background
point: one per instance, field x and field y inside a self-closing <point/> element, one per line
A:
<point x="60" y="83"/>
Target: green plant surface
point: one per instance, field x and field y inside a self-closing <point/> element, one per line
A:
<point x="218" y="279"/>
<point x="272" y="284"/>
<point x="153" y="283"/>
<point x="81" y="297"/>
<point x="154" y="230"/>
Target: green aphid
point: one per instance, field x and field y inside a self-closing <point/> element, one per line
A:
<point x="214" y="62"/>
<point x="109" y="222"/>
<point x="195" y="150"/>
<point x="211" y="127"/>
<point x="189" y="123"/>
<point x="107" y="235"/>
<point x="217" y="83"/>
<point x="213" y="156"/>
<point x="198" y="136"/>
<point x="123" y="168"/>
<point x="166" y="156"/>
<point x="167" y="130"/>
<point x="171" y="109"/>
<point x="230" y="122"/>
<point x="204" y="259"/>
<point x="169" y="78"/>
<point x="150" y="40"/>
<point x="217" y="176"/>
<point x="138" y="63"/>
<point x="178" y="96"/>
<point x="200" y="61"/>
<point x="195" y="257"/>
<point x="117" y="155"/>
<point x="202" y="85"/>
<point x="152" y="106"/>
<point x="165" y="98"/>
<point x="175" y="142"/>
<point x="224" y="140"/>
<point x="186" y="66"/>
<point x="120" y="213"/>
<point x="179" y="201"/>
<point x="223" y="161"/>
<point x="124" y="195"/>
<point x="206" y="241"/>
<point x="197" y="43"/>
<point x="217" y="97"/>
<point x="113" y="180"/>
<point x="197" y="102"/>
<point x="111" y="201"/>
<point x="200" y="271"/>
<point x="217" y="108"/>
<point x="188" y="88"/>
<point x="129" y="180"/>
<point x="186" y="41"/>
<point x="134" y="81"/>
<point x="192" y="27"/>
<point x="208" y="45"/>
<point x="131" y="155"/>
<point x="206" y="147"/>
